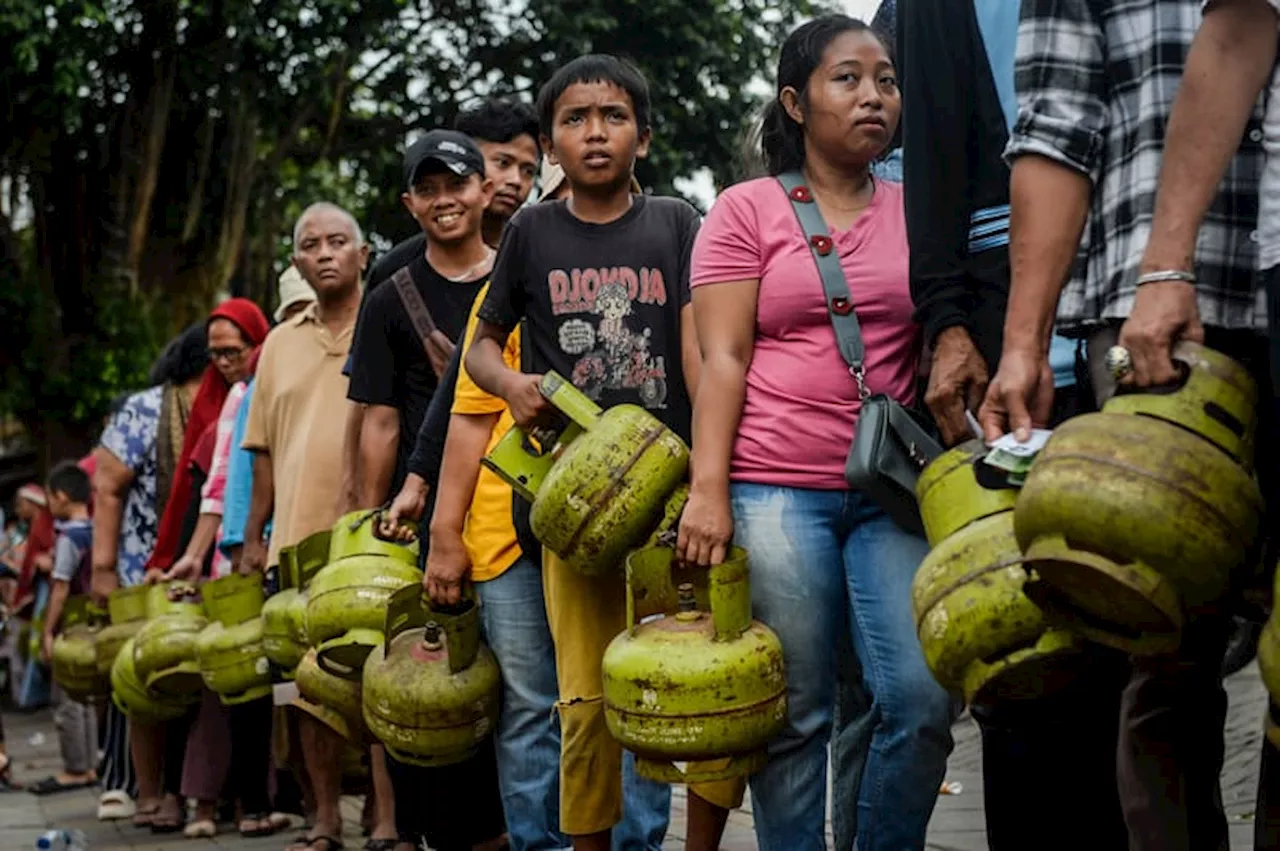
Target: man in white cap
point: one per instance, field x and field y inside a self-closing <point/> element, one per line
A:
<point x="295" y="294"/>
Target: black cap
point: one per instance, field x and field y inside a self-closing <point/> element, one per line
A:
<point x="455" y="151"/>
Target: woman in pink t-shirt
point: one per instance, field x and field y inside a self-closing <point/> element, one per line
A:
<point x="772" y="425"/>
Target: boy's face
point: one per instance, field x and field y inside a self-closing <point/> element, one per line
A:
<point x="594" y="136"/>
<point x="448" y="207"/>
<point x="512" y="166"/>
<point x="59" y="505"/>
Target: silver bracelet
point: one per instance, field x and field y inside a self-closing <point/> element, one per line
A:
<point x="1166" y="276"/>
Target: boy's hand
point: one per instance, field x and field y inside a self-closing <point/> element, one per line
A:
<point x="43" y="562"/>
<point x="448" y="566"/>
<point x="523" y="395"/>
<point x="153" y="576"/>
<point x="46" y="648"/>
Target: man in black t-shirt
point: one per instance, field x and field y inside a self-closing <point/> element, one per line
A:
<point x="601" y="282"/>
<point x="395" y="369"/>
<point x="506" y="132"/>
<point x="392" y="371"/>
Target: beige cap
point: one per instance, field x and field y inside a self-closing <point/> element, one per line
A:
<point x="553" y="175"/>
<point x="292" y="288"/>
<point x="550" y="179"/>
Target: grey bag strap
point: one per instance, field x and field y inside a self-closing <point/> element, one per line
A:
<point x="413" y="304"/>
<point x="844" y="319"/>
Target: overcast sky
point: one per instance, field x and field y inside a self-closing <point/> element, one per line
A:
<point x="865" y="9"/>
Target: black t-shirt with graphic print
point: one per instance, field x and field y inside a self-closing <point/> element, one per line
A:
<point x="602" y="301"/>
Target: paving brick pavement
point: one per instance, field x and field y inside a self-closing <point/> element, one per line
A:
<point x="957" y="823"/>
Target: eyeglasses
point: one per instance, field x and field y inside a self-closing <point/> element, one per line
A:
<point x="230" y="355"/>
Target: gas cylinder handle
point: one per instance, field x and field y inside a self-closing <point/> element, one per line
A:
<point x="376" y="527"/>
<point x="410" y="608"/>
<point x="518" y="462"/>
<point x="724" y="589"/>
<point x="310" y="556"/>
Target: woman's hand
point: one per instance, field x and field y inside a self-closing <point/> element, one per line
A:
<point x="185" y="569"/>
<point x="706" y="528"/>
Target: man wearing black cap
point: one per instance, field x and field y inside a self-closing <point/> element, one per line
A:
<point x="403" y="342"/>
<point x="396" y="360"/>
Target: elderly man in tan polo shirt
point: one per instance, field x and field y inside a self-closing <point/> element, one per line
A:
<point x="297" y="444"/>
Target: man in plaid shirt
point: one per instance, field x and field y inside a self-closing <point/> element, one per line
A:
<point x="1096" y="83"/>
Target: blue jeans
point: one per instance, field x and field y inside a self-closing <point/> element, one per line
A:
<point x="823" y="562"/>
<point x="528" y="737"/>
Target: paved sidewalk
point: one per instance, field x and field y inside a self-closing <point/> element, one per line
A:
<point x="957" y="822"/>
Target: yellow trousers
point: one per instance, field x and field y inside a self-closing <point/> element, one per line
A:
<point x="585" y="613"/>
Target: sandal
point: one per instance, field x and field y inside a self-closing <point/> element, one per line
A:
<point x="144" y="815"/>
<point x="52" y="785"/>
<point x="169" y="823"/>
<point x="318" y="843"/>
<point x="259" y="824"/>
<point x="201" y="829"/>
<point x="381" y="844"/>
<point x="284" y="821"/>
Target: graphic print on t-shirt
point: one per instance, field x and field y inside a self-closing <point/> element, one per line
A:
<point x="613" y="354"/>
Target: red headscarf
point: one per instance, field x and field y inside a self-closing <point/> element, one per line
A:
<point x="40" y="537"/>
<point x="204" y="412"/>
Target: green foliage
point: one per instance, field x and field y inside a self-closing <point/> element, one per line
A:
<point x="161" y="148"/>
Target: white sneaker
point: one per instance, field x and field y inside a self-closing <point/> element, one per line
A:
<point x="116" y="805"/>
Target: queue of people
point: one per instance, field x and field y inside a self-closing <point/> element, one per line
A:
<point x="1041" y="216"/>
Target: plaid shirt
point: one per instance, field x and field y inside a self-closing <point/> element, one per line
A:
<point x="1096" y="81"/>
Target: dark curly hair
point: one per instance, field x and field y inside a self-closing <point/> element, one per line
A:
<point x="498" y="120"/>
<point x="183" y="359"/>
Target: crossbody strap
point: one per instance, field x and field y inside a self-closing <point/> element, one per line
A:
<point x="844" y="319"/>
<point x="413" y="304"/>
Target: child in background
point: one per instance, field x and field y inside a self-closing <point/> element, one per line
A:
<point x="69" y="492"/>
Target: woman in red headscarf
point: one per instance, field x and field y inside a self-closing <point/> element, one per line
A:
<point x="234" y="330"/>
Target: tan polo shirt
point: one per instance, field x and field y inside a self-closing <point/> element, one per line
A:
<point x="297" y="416"/>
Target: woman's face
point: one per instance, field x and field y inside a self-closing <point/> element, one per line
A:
<point x="26" y="509"/>
<point x="853" y="100"/>
<point x="228" y="351"/>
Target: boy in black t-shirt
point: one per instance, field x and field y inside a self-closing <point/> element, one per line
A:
<point x="601" y="282"/>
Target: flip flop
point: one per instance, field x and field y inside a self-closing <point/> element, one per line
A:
<point x="381" y="844"/>
<point x="200" y="829"/>
<point x="264" y="825"/>
<point x="144" y="816"/>
<point x="320" y="843"/>
<point x="52" y="785"/>
<point x="168" y="826"/>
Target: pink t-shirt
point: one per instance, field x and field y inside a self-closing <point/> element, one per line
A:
<point x="801" y="402"/>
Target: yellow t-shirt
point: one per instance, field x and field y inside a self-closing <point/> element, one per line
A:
<point x="490" y="533"/>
